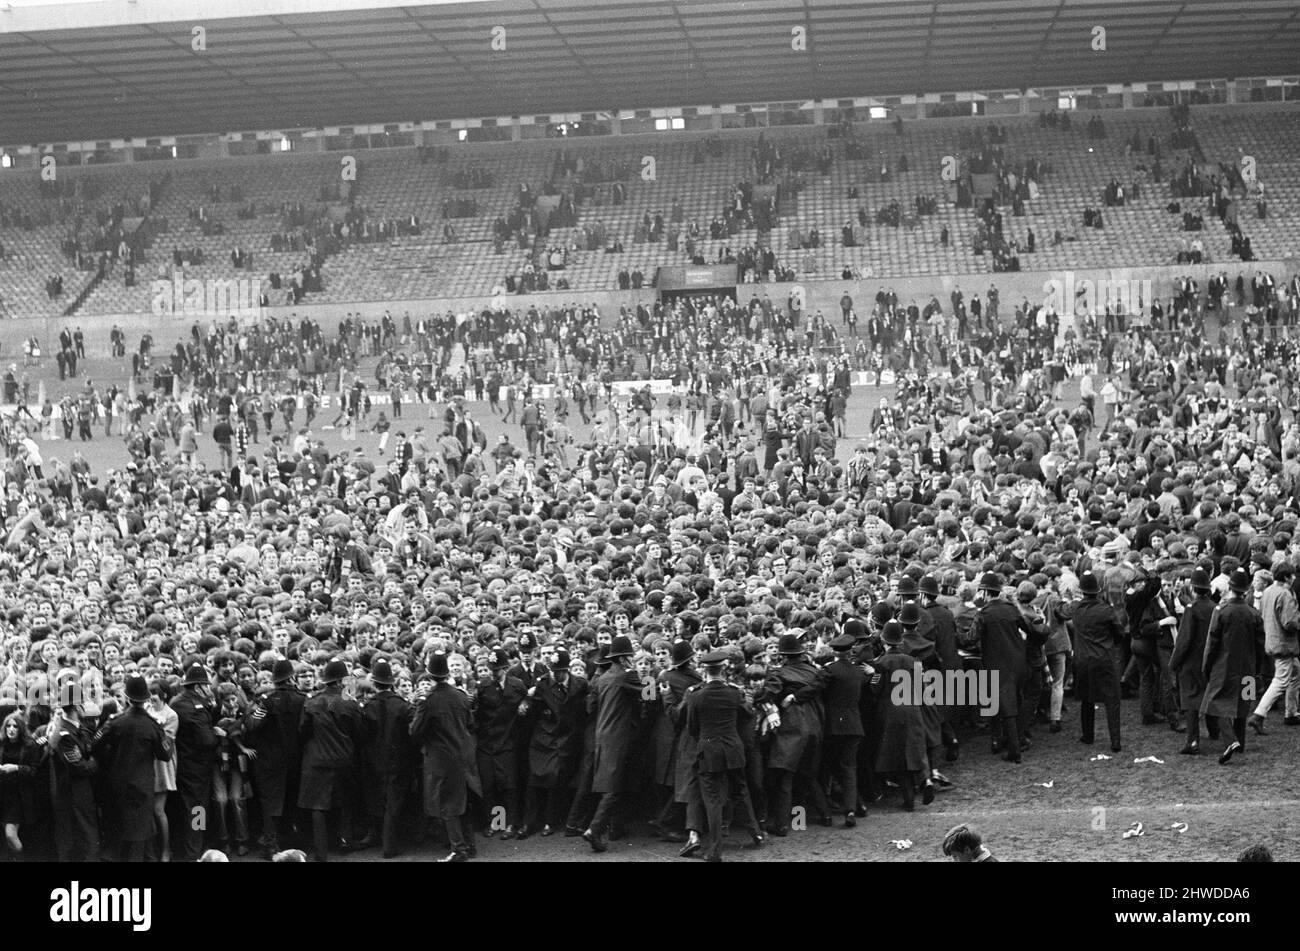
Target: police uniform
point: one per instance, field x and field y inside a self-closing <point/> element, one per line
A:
<point x="716" y="718"/>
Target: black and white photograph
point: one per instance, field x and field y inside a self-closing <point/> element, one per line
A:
<point x="667" y="432"/>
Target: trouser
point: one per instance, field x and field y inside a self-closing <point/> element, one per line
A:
<point x="320" y="829"/>
<point x="1285" y="683"/>
<point x="1156" y="693"/>
<point x="1238" y="727"/>
<point x="841" y="758"/>
<point x="781" y="798"/>
<point x="754" y="783"/>
<point x="191" y="839"/>
<point x="545" y="806"/>
<point x="389" y="809"/>
<point x="581" y="806"/>
<point x="716" y="790"/>
<point x="1097" y="682"/>
<point x="228" y="791"/>
<point x="1033" y="689"/>
<point x="1010" y="728"/>
<point x="672" y="817"/>
<point x="605" y="811"/>
<point x="907" y="787"/>
<point x="456" y="837"/>
<point x="76" y="832"/>
<point x="1056" y="664"/>
<point x="1169" y="684"/>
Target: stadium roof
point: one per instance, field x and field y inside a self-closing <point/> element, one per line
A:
<point x="126" y="68"/>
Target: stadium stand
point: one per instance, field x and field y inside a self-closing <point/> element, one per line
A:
<point x="437" y="223"/>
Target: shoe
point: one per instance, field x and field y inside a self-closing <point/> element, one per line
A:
<point x="953" y="751"/>
<point x="1150" y="721"/>
<point x="597" y="843"/>
<point x="861" y="811"/>
<point x="1191" y="749"/>
<point x="1086" y="740"/>
<point x="1291" y="721"/>
<point x="1177" y="727"/>
<point x="1257" y="724"/>
<point x="756" y="841"/>
<point x="456" y="856"/>
<point x="571" y="832"/>
<point x="547" y="831"/>
<point x="714" y="858"/>
<point x="1025" y="742"/>
<point x="523" y="833"/>
<point x="940" y="780"/>
<point x="1114" y="747"/>
<point x="471" y="849"/>
<point x="391" y="853"/>
<point x="927" y="793"/>
<point x="1226" y="755"/>
<point x="850" y="821"/>
<point x="997" y="747"/>
<point x="508" y="834"/>
<point x="1055" y="727"/>
<point x="1012" y="757"/>
<point x="909" y="806"/>
<point x="690" y="848"/>
<point x="667" y="836"/>
<point x="827" y="821"/>
<point x="489" y="833"/>
<point x="241" y="849"/>
<point x="778" y="831"/>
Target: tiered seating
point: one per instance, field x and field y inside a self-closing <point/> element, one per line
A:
<point x="1270" y="135"/>
<point x="396" y="183"/>
<point x="30" y="258"/>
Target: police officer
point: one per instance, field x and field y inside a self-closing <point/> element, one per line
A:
<point x="945" y="645"/>
<point x="390" y="756"/>
<point x="1189" y="650"/>
<point x="72" y="794"/>
<point x="272" y="730"/>
<point x="1234" y="651"/>
<point x="443" y="725"/>
<point x="685" y="797"/>
<point x="196" y="755"/>
<point x="1003" y="633"/>
<point x="795" y="748"/>
<point x="843" y="693"/>
<point x="1097" y="646"/>
<point x="716" y="718"/>
<point x="330" y="730"/>
<point x="496" y="711"/>
<point x="128" y="746"/>
<point x="557" y="707"/>
<point x="615" y="701"/>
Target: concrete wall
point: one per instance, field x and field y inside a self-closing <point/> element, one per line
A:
<point x="821" y="295"/>
<point x="1013" y="287"/>
<point x="168" y="330"/>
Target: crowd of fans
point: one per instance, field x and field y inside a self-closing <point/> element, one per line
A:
<point x="453" y="640"/>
